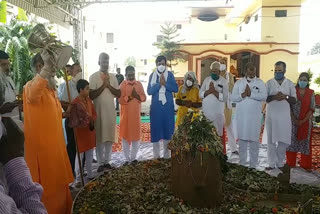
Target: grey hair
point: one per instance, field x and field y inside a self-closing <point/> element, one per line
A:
<point x="195" y="82"/>
<point x="216" y="65"/>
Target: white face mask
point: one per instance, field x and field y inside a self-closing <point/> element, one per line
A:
<point x="161" y="68"/>
<point x="223" y="67"/>
<point x="189" y="83"/>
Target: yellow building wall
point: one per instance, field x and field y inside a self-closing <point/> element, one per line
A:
<point x="251" y="32"/>
<point x="267" y="65"/>
<point x="267" y="60"/>
<point x="280" y="29"/>
<point x="180" y="69"/>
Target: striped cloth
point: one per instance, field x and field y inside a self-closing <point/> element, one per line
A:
<point x="24" y="195"/>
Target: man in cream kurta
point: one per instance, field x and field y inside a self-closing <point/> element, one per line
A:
<point x="214" y="92"/>
<point x="229" y="122"/>
<point x="104" y="89"/>
<point x="281" y="93"/>
<point x="249" y="93"/>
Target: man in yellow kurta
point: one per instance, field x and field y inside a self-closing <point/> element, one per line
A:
<point x="103" y="89"/>
<point x="45" y="150"/>
<point x="132" y="94"/>
<point x="188" y="96"/>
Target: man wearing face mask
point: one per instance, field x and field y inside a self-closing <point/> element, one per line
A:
<point x="188" y="96"/>
<point x="281" y="94"/>
<point x="249" y="93"/>
<point x="161" y="87"/>
<point x="214" y="94"/>
<point x="104" y="89"/>
<point x="132" y="95"/>
<point x="228" y="106"/>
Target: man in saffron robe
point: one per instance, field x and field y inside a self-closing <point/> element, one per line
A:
<point x="161" y="87"/>
<point x="132" y="94"/>
<point x="45" y="150"/>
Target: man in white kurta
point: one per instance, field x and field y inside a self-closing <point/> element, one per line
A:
<point x="76" y="73"/>
<point x="249" y="93"/>
<point x="104" y="89"/>
<point x="229" y="122"/>
<point x="8" y="91"/>
<point x="281" y="93"/>
<point x="214" y="92"/>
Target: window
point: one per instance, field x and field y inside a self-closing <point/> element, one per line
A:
<point x="159" y="38"/>
<point x="240" y="28"/>
<point x="179" y="26"/>
<point x="109" y="37"/>
<point x="256" y="18"/>
<point x="280" y="13"/>
<point x="145" y="62"/>
<point x="85" y="44"/>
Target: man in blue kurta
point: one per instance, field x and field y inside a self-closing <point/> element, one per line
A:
<point x="161" y="87"/>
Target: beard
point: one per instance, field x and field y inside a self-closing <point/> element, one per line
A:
<point x="52" y="83"/>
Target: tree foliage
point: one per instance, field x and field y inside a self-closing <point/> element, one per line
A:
<point x="315" y="49"/>
<point x="130" y="61"/>
<point x="13" y="40"/>
<point x="169" y="46"/>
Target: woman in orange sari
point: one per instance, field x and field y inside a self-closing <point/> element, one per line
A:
<point x="301" y="114"/>
<point x="82" y="118"/>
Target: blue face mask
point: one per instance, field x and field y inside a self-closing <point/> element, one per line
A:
<point x="214" y="76"/>
<point x="279" y="75"/>
<point x="303" y="84"/>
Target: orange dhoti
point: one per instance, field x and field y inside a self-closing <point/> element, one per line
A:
<point x="45" y="148"/>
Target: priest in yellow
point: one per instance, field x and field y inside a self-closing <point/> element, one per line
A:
<point x="187" y="96"/>
<point x="45" y="149"/>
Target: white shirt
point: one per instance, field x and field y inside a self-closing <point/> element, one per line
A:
<point x="248" y="109"/>
<point x="278" y="117"/>
<point x="213" y="108"/>
<point x="63" y="93"/>
<point x="10" y="96"/>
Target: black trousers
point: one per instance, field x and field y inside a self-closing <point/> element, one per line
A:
<point x="71" y="146"/>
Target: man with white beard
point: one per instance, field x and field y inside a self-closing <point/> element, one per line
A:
<point x="45" y="150"/>
<point x="249" y="93"/>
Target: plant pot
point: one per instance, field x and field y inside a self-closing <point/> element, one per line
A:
<point x="197" y="179"/>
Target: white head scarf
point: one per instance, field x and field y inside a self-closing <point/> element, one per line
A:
<point x="162" y="91"/>
<point x="195" y="81"/>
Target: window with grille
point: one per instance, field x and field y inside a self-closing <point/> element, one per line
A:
<point x="179" y="26"/>
<point x="110" y="38"/>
